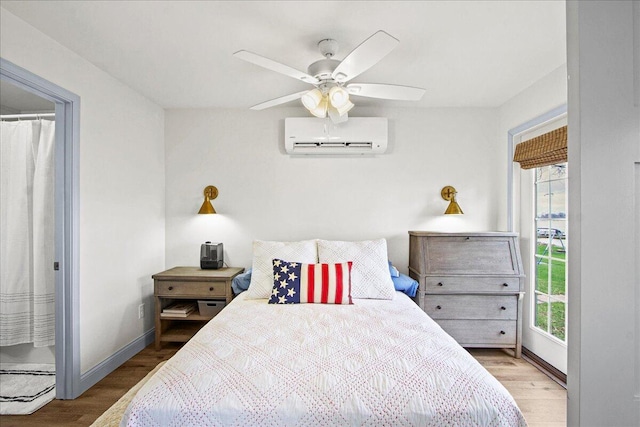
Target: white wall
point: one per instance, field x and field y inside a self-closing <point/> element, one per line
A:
<point x="121" y="190"/>
<point x="266" y="194"/>
<point x="539" y="98"/>
<point x="604" y="145"/>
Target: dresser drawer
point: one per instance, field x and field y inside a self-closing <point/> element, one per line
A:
<point x="470" y="254"/>
<point x="201" y="290"/>
<point x="503" y="307"/>
<point x="481" y="332"/>
<point x="447" y="284"/>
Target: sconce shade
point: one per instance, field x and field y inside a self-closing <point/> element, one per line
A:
<point x="210" y="192"/>
<point x="453" y="208"/>
<point x="448" y="193"/>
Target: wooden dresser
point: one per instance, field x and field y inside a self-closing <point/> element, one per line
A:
<point x="471" y="284"/>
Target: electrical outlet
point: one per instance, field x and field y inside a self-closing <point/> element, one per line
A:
<point x="141" y="311"/>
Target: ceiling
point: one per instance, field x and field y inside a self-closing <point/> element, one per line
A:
<point x="179" y="53"/>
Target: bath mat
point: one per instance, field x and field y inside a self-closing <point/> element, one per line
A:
<point x="25" y="388"/>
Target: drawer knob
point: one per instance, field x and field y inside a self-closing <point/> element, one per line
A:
<point x="502" y="332"/>
<point x="505" y="284"/>
<point x="440" y="284"/>
<point x="503" y="308"/>
<point x="438" y="307"/>
<point x="211" y="288"/>
<point x="170" y="288"/>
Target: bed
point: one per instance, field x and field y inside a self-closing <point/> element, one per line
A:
<point x="371" y="363"/>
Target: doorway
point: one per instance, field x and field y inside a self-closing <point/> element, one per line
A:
<point x="27" y="285"/>
<point x="538" y="212"/>
<point x="66" y="248"/>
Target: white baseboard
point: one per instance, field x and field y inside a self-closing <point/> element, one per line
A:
<point x="110" y="364"/>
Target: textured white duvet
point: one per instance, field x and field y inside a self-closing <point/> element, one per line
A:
<point x="374" y="363"/>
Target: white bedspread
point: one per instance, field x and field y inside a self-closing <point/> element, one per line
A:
<point x="373" y="363"/>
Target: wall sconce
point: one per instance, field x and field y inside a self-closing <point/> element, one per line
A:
<point x="210" y="193"/>
<point x="449" y="194"/>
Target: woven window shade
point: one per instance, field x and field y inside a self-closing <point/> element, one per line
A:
<point x="543" y="150"/>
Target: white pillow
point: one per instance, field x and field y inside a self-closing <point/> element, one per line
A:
<point x="370" y="277"/>
<point x="264" y="252"/>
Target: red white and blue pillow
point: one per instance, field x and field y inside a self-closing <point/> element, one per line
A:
<point x="296" y="283"/>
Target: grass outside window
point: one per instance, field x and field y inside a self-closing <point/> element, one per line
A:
<point x="556" y="260"/>
<point x="558" y="267"/>
<point x="557" y="318"/>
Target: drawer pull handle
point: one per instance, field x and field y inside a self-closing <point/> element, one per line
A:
<point x="170" y="288"/>
<point x="440" y="284"/>
<point x="211" y="288"/>
<point x="502" y="332"/>
<point x="439" y="307"/>
<point x="503" y="308"/>
<point x="467" y="238"/>
<point x="505" y="284"/>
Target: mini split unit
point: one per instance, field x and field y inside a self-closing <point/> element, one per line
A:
<point x="358" y="135"/>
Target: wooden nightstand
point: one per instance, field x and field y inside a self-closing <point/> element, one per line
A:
<point x="188" y="283"/>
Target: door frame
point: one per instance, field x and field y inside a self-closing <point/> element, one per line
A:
<point x="67" y="136"/>
<point x="513" y="213"/>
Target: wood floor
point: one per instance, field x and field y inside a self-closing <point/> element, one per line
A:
<point x="541" y="400"/>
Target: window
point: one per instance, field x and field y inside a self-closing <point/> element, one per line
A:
<point x="550" y="302"/>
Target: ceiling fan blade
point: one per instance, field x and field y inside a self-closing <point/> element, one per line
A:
<point x="272" y="65"/>
<point x="365" y="56"/>
<point x="278" y="101"/>
<point x="384" y="91"/>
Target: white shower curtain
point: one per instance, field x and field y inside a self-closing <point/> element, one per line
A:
<point x="27" y="278"/>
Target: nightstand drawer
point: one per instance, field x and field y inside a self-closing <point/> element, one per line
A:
<point x="463" y="284"/>
<point x="481" y="332"/>
<point x="196" y="289"/>
<point x="502" y="307"/>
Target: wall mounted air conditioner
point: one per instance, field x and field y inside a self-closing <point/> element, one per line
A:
<point x="358" y="135"/>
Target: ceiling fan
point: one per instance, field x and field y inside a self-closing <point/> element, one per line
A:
<point x="331" y="95"/>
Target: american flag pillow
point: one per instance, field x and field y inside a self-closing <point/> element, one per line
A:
<point x="295" y="283"/>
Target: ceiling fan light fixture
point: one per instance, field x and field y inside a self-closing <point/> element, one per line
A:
<point x="335" y="115"/>
<point x="321" y="110"/>
<point x="312" y="99"/>
<point x="339" y="96"/>
<point x="345" y="108"/>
